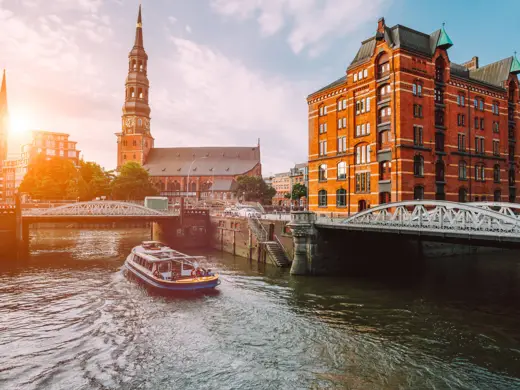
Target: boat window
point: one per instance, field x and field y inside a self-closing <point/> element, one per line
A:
<point x="187" y="267"/>
<point x="163" y="267"/>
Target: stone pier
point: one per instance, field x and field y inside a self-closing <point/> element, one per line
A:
<point x="305" y="242"/>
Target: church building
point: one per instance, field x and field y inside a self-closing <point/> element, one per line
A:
<point x="198" y="172"/>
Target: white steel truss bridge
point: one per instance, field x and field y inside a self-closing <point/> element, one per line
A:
<point x="482" y="221"/>
<point x="97" y="209"/>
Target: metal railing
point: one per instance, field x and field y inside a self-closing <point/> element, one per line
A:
<point x="283" y="247"/>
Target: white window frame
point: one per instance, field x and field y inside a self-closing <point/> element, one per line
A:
<point x="368" y="128"/>
<point x="355" y="76"/>
<point x="365" y="73"/>
<point x="368" y="104"/>
<point x="344" y="123"/>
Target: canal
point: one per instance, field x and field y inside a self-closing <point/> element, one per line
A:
<point x="69" y="319"/>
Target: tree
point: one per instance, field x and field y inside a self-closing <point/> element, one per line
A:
<point x="132" y="183"/>
<point x="94" y="181"/>
<point x="50" y="179"/>
<point x="254" y="188"/>
<point x="298" y="191"/>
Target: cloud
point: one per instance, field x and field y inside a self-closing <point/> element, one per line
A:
<point x="188" y="29"/>
<point x="309" y="22"/>
<point x="218" y="100"/>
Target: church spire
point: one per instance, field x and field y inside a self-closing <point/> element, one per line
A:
<point x="3" y="96"/>
<point x="139" y="30"/>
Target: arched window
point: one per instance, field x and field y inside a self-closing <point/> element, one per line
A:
<point x="132" y="92"/>
<point x="169" y="187"/>
<point x="463" y="195"/>
<point x="176" y="186"/>
<point x="140" y="93"/>
<point x="384" y="115"/>
<point x="384" y="139"/>
<point x="193" y="187"/>
<point x="362" y="205"/>
<point x="497" y="196"/>
<point x="322" y="198"/>
<point x="141" y="67"/>
<point x="418" y="193"/>
<point x="480" y="172"/>
<point x="439" y="170"/>
<point x="322" y="172"/>
<point x="134" y="65"/>
<point x="418" y="165"/>
<point x="342" y="170"/>
<point x="383" y="92"/>
<point x="383" y="65"/>
<point x="463" y="170"/>
<point x="140" y="122"/>
<point x="496" y="173"/>
<point x="341" y="198"/>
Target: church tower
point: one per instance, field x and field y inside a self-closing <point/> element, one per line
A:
<point x="135" y="140"/>
<point x="4" y="122"/>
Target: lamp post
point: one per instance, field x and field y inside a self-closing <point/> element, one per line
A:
<point x="189" y="171"/>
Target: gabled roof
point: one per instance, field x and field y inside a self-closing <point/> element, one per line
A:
<point x="494" y="74"/>
<point x="204" y="161"/>
<point x="339" y="81"/>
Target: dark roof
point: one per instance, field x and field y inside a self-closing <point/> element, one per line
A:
<point x="204" y="161"/>
<point x="399" y="37"/>
<point x="339" y="81"/>
<point x="494" y="74"/>
<point x="223" y="185"/>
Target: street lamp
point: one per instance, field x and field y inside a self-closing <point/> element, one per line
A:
<point x="189" y="171"/>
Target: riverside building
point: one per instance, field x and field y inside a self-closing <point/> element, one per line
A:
<point x="405" y="122"/>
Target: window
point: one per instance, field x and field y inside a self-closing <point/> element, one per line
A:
<point x="368" y="128"/>
<point x="439" y="96"/>
<point x="418" y="135"/>
<point x="363" y="182"/>
<point x="342" y="123"/>
<point x="342" y="171"/>
<point x="460" y="100"/>
<point x="363" y="129"/>
<point x="323" y="148"/>
<point x="418" y="165"/>
<point x="418" y="192"/>
<point x="461" y="120"/>
<point x="358" y="130"/>
<point x="496" y="173"/>
<point x="463" y="195"/>
<point x="341" y="198"/>
<point x="439" y="118"/>
<point x="322" y="172"/>
<point x="355" y="76"/>
<point x="481" y="105"/>
<point x="475" y="103"/>
<point x="124" y="156"/>
<point x="494" y="108"/>
<point x="414" y="89"/>
<point x="385" y="170"/>
<point x="323" y="110"/>
<point x="496" y="150"/>
<point x="365" y="73"/>
<point x="368" y="104"/>
<point x="477" y="122"/>
<point x="419" y="89"/>
<point x="384" y="114"/>
<point x="461" y="142"/>
<point x="479" y="145"/>
<point x="439" y="171"/>
<point x="439" y="142"/>
<point x="360" y="75"/>
<point x="463" y="170"/>
<point x="495" y="127"/>
<point x="481" y="123"/>
<point x="479" y="172"/>
<point x="342" y="104"/>
<point x="417" y="110"/>
<point x="139" y="122"/>
<point x="363" y="154"/>
<point x="384" y="137"/>
<point x="342" y="144"/>
<point x="497" y="195"/>
<point x="322" y="198"/>
<point x="134" y="143"/>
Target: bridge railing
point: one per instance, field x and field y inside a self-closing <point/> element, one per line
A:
<point x="98" y="208"/>
<point x="432" y="215"/>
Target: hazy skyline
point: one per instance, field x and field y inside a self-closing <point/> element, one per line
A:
<point x="222" y="72"/>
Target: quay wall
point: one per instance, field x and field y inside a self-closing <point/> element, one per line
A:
<point x="232" y="235"/>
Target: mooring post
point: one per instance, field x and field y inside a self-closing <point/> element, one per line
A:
<point x="305" y="241"/>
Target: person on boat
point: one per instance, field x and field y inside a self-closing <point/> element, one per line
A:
<point x="157" y="274"/>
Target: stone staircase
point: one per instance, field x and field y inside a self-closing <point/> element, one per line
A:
<point x="274" y="249"/>
<point x="277" y="253"/>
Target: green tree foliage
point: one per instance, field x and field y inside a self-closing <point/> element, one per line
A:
<point x="94" y="181"/>
<point x="133" y="182"/>
<point x="298" y="191"/>
<point x="52" y="179"/>
<point x="254" y="188"/>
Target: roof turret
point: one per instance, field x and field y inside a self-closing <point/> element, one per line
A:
<point x="515" y="65"/>
<point x="444" y="41"/>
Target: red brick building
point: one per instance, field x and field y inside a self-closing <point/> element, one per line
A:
<point x="4" y="134"/>
<point x="200" y="172"/>
<point x="407" y="123"/>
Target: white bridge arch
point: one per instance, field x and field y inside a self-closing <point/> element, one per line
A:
<point x="97" y="208"/>
<point x="434" y="216"/>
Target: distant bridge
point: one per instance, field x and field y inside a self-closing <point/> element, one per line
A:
<point x="100" y="211"/>
<point x="496" y="222"/>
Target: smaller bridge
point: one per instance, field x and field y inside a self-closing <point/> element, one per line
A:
<point x="100" y="211"/>
<point x="482" y="221"/>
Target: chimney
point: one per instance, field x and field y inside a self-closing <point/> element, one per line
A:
<point x="471" y="64"/>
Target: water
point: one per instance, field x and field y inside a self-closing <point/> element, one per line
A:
<point x="69" y="319"/>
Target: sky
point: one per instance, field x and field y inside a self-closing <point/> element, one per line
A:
<point x="222" y="72"/>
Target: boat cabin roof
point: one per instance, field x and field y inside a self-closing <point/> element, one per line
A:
<point x="154" y="251"/>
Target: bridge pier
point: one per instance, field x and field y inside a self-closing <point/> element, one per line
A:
<point x="305" y="242"/>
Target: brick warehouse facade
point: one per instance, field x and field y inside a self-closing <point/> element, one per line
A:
<point x="407" y="123"/>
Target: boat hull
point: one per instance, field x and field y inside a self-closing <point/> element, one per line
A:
<point x="197" y="285"/>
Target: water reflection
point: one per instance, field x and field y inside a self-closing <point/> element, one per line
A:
<point x="70" y="319"/>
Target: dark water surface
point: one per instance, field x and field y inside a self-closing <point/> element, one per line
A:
<point x="69" y="319"/>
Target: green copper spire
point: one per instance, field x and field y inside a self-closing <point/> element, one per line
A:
<point x="515" y="65"/>
<point x="444" y="41"/>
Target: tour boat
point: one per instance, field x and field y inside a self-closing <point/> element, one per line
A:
<point x="165" y="269"/>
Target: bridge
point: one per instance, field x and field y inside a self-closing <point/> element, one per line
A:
<point x="392" y="229"/>
<point x="95" y="211"/>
